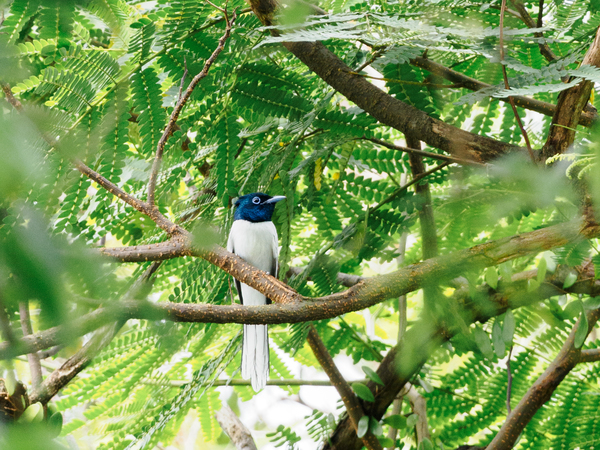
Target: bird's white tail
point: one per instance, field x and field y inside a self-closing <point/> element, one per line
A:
<point x="255" y="356"/>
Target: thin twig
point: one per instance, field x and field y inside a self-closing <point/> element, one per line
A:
<point x="542" y="389"/>
<point x="450" y="159"/>
<point x="33" y="358"/>
<point x="216" y="7"/>
<point x="414" y="83"/>
<point x="376" y="55"/>
<point x="353" y="406"/>
<point x="185" y="73"/>
<point x="540" y="14"/>
<point x="507" y="86"/>
<point x="509" y="379"/>
<point x="10" y="98"/>
<point x="239" y="382"/>
<point x="179" y="107"/>
<point x="409" y="184"/>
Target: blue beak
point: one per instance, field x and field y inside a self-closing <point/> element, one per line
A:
<point x="276" y="199"/>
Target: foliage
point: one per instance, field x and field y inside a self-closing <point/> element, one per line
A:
<point x="99" y="80"/>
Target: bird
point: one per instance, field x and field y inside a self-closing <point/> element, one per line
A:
<point x="253" y="238"/>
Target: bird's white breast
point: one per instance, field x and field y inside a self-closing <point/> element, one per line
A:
<point x="256" y="243"/>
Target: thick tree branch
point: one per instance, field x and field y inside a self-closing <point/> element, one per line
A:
<point x="424" y="337"/>
<point x="80" y="360"/>
<point x="234" y="428"/>
<point x="571" y="103"/>
<point x="351" y="402"/>
<point x="526" y="18"/>
<point x="588" y="117"/>
<point x="180" y="105"/>
<point x="541" y="391"/>
<point x="383" y="107"/>
<point x="377" y="289"/>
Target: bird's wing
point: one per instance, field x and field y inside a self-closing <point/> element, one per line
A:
<point x="231" y="248"/>
<point x="275" y="264"/>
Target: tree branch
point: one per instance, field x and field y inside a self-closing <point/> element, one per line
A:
<point x="571" y="103"/>
<point x="588" y="117"/>
<point x="526" y="18"/>
<point x="75" y="364"/>
<point x="507" y="86"/>
<point x="383" y="107"/>
<point x="351" y="402"/>
<point x="424" y="337"/>
<point x="80" y="360"/>
<point x="542" y="389"/>
<point x="426" y="219"/>
<point x="374" y="290"/>
<point x="34" y="360"/>
<point x="415" y="151"/>
<point x="419" y="407"/>
<point x="181" y="103"/>
<point x="234" y="428"/>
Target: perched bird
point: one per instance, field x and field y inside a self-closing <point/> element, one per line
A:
<point x="253" y="237"/>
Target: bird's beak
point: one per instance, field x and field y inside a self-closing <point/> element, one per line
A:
<point x="276" y="199"/>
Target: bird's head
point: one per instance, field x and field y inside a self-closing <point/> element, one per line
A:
<point x="256" y="207"/>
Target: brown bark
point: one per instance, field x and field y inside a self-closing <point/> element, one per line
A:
<point x="542" y="389"/>
<point x="588" y="117"/>
<point x="234" y="428"/>
<point x="383" y="107"/>
<point x="353" y="406"/>
<point x="571" y="103"/>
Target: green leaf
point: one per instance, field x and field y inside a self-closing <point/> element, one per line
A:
<point x="498" y="340"/>
<point x="425" y="444"/>
<point x="372" y="375"/>
<point x="396" y="421"/>
<point x="363" y="392"/>
<point x="375" y="426"/>
<point x="363" y="426"/>
<point x="582" y="329"/>
<point x="570" y="280"/>
<point x="505" y="270"/>
<point x="491" y="277"/>
<point x="55" y="423"/>
<point x="571" y="310"/>
<point x="532" y="285"/>
<point x="508" y="327"/>
<point x="34" y="413"/>
<point x="542" y="268"/>
<point x="385" y="442"/>
<point x="412" y="420"/>
<point x="483" y="342"/>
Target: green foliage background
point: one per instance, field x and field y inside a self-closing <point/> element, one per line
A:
<point x="99" y="78"/>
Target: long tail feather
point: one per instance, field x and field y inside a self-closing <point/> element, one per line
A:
<point x="255" y="356"/>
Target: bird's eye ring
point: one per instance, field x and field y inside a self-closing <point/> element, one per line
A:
<point x="256" y="200"/>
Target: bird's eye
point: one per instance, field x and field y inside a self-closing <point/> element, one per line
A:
<point x="256" y="200"/>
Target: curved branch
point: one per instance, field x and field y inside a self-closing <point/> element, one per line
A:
<point x="371" y="291"/>
<point x="181" y="103"/>
<point x="543" y="388"/>
<point x="383" y="107"/>
<point x="571" y="103"/>
<point x="587" y="118"/>
<point x="424" y="337"/>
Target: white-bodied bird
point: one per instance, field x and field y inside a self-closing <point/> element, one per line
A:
<point x="253" y="237"/>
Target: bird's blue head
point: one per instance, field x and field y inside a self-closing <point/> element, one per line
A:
<point x="256" y="207"/>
